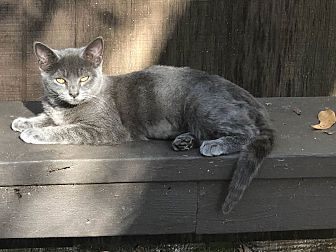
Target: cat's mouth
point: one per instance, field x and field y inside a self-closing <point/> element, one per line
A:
<point x="75" y="101"/>
<point x="79" y="99"/>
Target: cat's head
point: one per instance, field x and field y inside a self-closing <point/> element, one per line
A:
<point x="71" y="75"/>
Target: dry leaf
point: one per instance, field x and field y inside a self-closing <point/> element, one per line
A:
<point x="327" y="119"/>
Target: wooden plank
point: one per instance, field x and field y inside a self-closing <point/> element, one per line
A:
<point x="135" y="31"/>
<point x="269" y="205"/>
<point x="151" y="244"/>
<point x="300" y="152"/>
<point x="150" y="169"/>
<point x="97" y="210"/>
<point x="10" y="41"/>
<point x="293" y="245"/>
<point x="271" y="48"/>
<point x="277" y="48"/>
<point x="10" y="86"/>
<point x="11" y="18"/>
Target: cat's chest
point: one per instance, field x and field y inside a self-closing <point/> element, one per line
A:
<point x="58" y="116"/>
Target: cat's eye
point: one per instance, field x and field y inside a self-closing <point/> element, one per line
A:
<point x="83" y="79"/>
<point x="60" y="80"/>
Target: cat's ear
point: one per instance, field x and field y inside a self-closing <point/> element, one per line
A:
<point x="46" y="56"/>
<point x="94" y="51"/>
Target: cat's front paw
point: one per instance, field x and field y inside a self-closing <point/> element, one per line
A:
<point x="34" y="136"/>
<point x="21" y="123"/>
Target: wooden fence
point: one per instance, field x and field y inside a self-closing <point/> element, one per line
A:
<point x="271" y="48"/>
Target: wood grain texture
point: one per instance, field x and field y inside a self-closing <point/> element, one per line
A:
<point x="271" y="48"/>
<point x="316" y="245"/>
<point x="53" y="23"/>
<point x="295" y="154"/>
<point x="135" y="31"/>
<point x="11" y="73"/>
<point x="146" y="188"/>
<point x="97" y="210"/>
<point x="276" y="205"/>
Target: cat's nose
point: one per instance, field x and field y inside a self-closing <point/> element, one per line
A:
<point x="74" y="94"/>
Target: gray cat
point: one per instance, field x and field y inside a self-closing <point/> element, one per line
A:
<point x="190" y="107"/>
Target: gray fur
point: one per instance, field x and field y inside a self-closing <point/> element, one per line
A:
<point x="160" y="102"/>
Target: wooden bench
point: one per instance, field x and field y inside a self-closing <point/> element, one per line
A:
<point x="145" y="188"/>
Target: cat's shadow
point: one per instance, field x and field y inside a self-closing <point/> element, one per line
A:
<point x="34" y="106"/>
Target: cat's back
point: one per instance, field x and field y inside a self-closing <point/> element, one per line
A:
<point x="156" y="83"/>
<point x="169" y="71"/>
<point x="175" y="76"/>
<point x="170" y="85"/>
<point x="156" y="75"/>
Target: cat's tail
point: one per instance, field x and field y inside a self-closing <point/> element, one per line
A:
<point x="248" y="163"/>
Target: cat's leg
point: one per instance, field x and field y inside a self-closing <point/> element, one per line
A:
<point x="72" y="134"/>
<point x="185" y="141"/>
<point x="22" y="123"/>
<point x="223" y="146"/>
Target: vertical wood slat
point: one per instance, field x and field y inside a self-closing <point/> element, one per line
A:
<point x="135" y="31"/>
<point x="271" y="48"/>
<point x="10" y="50"/>
<point x="24" y="27"/>
<point x="51" y="22"/>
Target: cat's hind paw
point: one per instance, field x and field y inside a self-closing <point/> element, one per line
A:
<point x="20" y="124"/>
<point x="184" y="142"/>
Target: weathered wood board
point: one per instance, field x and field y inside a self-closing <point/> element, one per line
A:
<point x="300" y="152"/>
<point x="279" y="204"/>
<point x="271" y="48"/>
<point x="313" y="245"/>
<point x="163" y="191"/>
<point x="97" y="210"/>
<point x="12" y="79"/>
